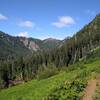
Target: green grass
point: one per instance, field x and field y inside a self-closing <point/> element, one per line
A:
<point x="38" y="89"/>
<point x="34" y="90"/>
<point x="97" y="93"/>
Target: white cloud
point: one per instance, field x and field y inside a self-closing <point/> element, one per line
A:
<point x="2" y="17"/>
<point x="28" y="24"/>
<point x="23" y="34"/>
<point x="64" y="21"/>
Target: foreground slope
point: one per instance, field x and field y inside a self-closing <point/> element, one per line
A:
<point x="39" y="89"/>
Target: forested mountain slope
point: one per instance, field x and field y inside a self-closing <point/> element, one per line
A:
<point x="12" y="47"/>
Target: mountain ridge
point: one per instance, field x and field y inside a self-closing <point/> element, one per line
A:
<point x="28" y="45"/>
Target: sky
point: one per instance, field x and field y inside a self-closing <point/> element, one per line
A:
<point x="46" y="18"/>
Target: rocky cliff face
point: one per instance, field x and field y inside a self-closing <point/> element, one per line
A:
<point x="35" y="44"/>
<point x="31" y="45"/>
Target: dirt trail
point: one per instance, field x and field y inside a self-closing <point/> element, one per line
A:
<point x="90" y="89"/>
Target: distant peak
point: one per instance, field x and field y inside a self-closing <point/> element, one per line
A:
<point x="50" y="39"/>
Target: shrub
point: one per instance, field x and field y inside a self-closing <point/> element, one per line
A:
<point x="46" y="72"/>
<point x="78" y="65"/>
<point x="69" y="91"/>
<point x="83" y="73"/>
<point x="97" y="69"/>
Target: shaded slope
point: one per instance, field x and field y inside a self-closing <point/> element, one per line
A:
<point x="21" y="46"/>
<point x="11" y="46"/>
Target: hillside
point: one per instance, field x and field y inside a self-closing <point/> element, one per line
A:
<point x="11" y="46"/>
<point x="47" y="44"/>
<point x="68" y="84"/>
<point x="51" y="43"/>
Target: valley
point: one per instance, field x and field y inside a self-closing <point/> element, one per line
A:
<point x="45" y="56"/>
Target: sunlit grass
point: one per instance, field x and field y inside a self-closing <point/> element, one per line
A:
<point x="38" y="89"/>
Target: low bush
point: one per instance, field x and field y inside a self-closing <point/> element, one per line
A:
<point x="68" y="91"/>
<point x="97" y="69"/>
<point x="83" y="73"/>
<point x="46" y="72"/>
